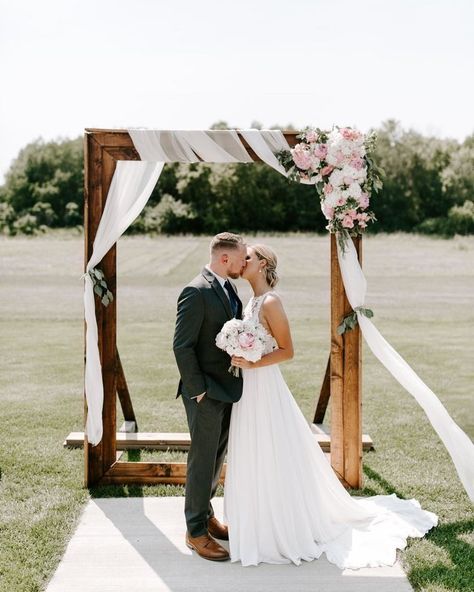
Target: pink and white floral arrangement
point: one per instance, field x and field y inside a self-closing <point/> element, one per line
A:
<point x="245" y="339"/>
<point x="340" y="164"/>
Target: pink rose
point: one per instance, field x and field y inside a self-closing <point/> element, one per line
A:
<point x="339" y="157"/>
<point x="342" y="201"/>
<point x="352" y="214"/>
<point x="350" y="134"/>
<point x="364" y="201"/>
<point x="328" y="188"/>
<point x="357" y="163"/>
<point x="302" y="157"/>
<point x="320" y="150"/>
<point x="347" y="222"/>
<point x="311" y="136"/>
<point x="246" y="340"/>
<point x="328" y="212"/>
<point x="327" y="170"/>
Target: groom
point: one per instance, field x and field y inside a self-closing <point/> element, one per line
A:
<point x="208" y="389"/>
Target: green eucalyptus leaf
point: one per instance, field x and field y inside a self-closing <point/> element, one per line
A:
<point x="97" y="290"/>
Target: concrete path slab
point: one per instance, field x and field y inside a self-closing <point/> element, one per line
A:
<point x="137" y="545"/>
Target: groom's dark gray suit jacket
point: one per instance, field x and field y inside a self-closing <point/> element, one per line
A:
<point x="203" y="307"/>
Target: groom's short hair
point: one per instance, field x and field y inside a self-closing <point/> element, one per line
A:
<point x="226" y="240"/>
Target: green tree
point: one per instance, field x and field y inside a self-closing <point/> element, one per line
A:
<point x="413" y="187"/>
<point x="46" y="173"/>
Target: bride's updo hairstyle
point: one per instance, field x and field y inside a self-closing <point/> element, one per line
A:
<point x="264" y="253"/>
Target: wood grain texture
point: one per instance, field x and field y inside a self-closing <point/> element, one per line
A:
<point x="149" y="473"/>
<point x="337" y="364"/>
<point x="352" y="401"/>
<point x="345" y="380"/>
<point x="93" y="455"/>
<point x="124" y="394"/>
<point x="324" y="395"/>
<point x="108" y="330"/>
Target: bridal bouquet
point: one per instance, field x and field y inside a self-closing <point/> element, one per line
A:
<point x="340" y="165"/>
<point x="245" y="339"/>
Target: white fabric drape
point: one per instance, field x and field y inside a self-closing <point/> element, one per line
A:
<point x="458" y="444"/>
<point x="129" y="191"/>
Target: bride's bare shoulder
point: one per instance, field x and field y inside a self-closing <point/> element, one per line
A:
<point x="272" y="303"/>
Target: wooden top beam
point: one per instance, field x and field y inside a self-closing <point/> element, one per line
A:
<point x="118" y="143"/>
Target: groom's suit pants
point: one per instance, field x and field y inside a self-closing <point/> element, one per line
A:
<point x="208" y="423"/>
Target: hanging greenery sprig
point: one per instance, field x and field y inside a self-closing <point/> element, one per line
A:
<point x="100" y="286"/>
<point x="350" y="320"/>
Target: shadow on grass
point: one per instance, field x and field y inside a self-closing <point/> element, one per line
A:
<point x="459" y="575"/>
<point x="386" y="488"/>
<point x="456" y="577"/>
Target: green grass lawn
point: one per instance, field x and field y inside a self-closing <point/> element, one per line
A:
<point x="420" y="289"/>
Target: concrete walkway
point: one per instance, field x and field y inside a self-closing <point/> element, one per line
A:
<point x="137" y="545"/>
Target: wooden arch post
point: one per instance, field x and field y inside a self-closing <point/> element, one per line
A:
<point x="102" y="149"/>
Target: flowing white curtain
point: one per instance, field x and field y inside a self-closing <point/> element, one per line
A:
<point x="131" y="187"/>
<point x="129" y="191"/>
<point x="458" y="444"/>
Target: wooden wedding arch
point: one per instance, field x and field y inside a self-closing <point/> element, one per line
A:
<point x="341" y="383"/>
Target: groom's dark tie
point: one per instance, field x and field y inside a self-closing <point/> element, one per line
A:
<point x="234" y="300"/>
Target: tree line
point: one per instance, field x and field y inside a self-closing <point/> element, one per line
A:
<point x="428" y="188"/>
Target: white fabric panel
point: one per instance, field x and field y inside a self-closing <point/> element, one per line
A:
<point x="265" y="143"/>
<point x="161" y="146"/>
<point x="131" y="186"/>
<point x="204" y="146"/>
<point x="458" y="444"/>
<point x="189" y="146"/>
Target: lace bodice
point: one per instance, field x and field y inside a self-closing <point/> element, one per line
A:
<point x="252" y="312"/>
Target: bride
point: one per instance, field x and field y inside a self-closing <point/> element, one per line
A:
<point x="282" y="501"/>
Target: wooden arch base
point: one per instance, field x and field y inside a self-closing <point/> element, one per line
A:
<point x="342" y="382"/>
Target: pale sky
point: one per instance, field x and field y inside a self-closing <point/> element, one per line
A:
<point x="185" y="64"/>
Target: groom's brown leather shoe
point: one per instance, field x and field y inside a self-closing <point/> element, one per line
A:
<point x="217" y="530"/>
<point x="207" y="548"/>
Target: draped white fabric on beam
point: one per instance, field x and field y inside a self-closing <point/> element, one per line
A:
<point x="131" y="187"/>
<point x="458" y="444"/>
<point x="129" y="191"/>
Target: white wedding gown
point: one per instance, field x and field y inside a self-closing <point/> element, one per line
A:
<point x="282" y="501"/>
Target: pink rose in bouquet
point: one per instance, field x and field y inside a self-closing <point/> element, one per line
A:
<point x="242" y="338"/>
<point x="320" y="151"/>
<point x="312" y="136"/>
<point x="246" y="340"/>
<point x="302" y="157"/>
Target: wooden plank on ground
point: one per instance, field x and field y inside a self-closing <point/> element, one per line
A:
<point x="149" y="473"/>
<point x="180" y="441"/>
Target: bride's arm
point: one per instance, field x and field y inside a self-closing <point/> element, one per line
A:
<point x="275" y="317"/>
